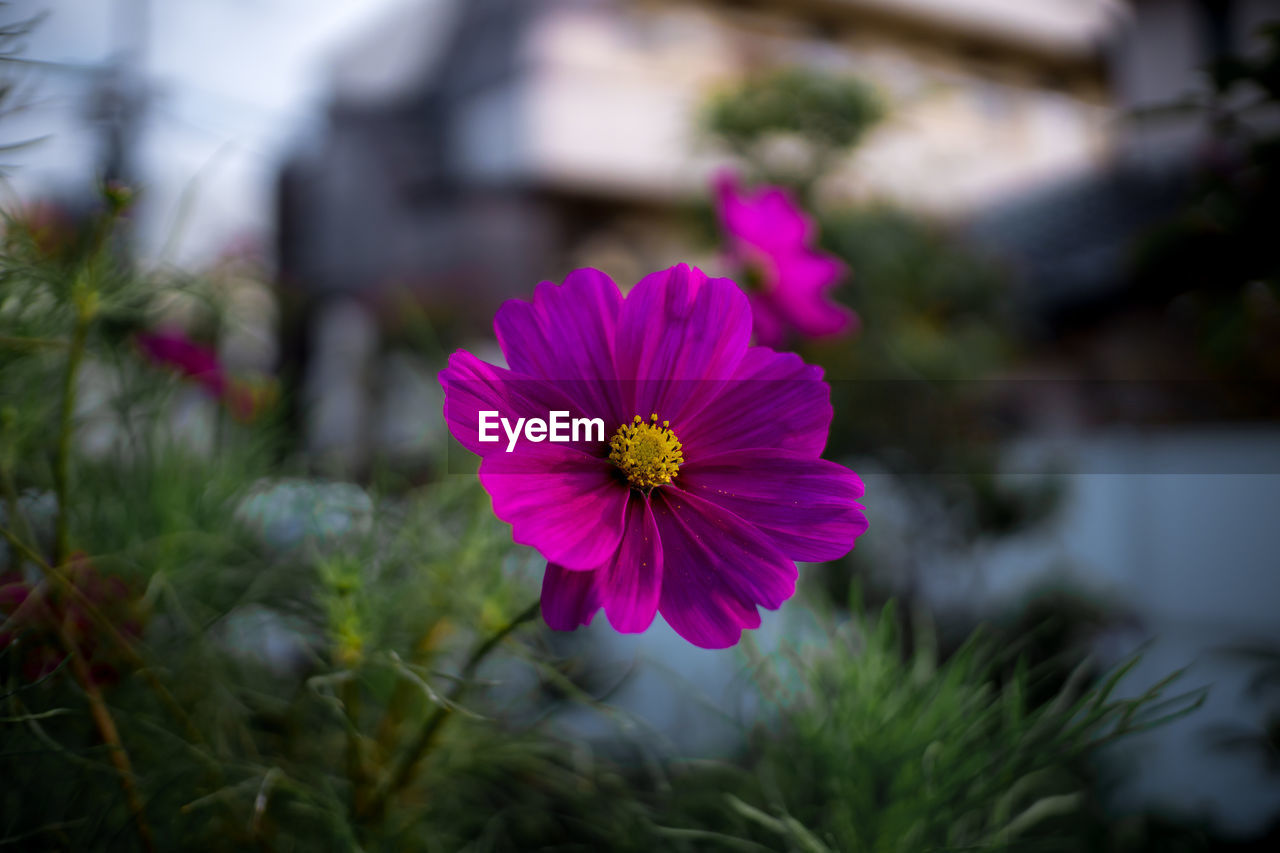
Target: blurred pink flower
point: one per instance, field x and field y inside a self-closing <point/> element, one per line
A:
<point x="32" y="619"/>
<point x="769" y="240"/>
<point x="244" y="397"/>
<point x="706" y="483"/>
<point x="173" y="349"/>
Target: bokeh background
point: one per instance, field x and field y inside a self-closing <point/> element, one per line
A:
<point x="1062" y="220"/>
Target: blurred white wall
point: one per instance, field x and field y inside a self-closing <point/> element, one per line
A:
<point x="606" y="96"/>
<point x="610" y="98"/>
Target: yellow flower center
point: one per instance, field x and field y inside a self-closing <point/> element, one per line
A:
<point x="647" y="453"/>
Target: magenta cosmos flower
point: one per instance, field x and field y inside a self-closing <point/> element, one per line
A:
<point x="173" y="349"/>
<point x="244" y="397"/>
<point x="704" y="485"/>
<point x="769" y="239"/>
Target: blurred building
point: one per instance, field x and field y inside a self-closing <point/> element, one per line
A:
<point x="474" y="147"/>
<point x="1071" y="236"/>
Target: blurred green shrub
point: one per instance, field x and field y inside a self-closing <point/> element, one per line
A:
<point x="930" y="309"/>
<point x="862" y="749"/>
<point x="295" y="650"/>
<point x="824" y="114"/>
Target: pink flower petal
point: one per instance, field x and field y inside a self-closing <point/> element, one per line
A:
<point x="768" y="324"/>
<point x="769" y="218"/>
<point x="570" y="506"/>
<point x="472" y="386"/>
<point x="716" y="570"/>
<point x="806" y="507"/>
<point x="569" y="598"/>
<point x="774" y="400"/>
<point x="628" y="585"/>
<point x="770" y="231"/>
<point x="801" y="295"/>
<point x="175" y="350"/>
<point x="632" y="584"/>
<point x="679" y="330"/>
<point x="566" y="335"/>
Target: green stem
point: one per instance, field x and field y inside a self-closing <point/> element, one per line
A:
<point x="16" y="518"/>
<point x="21" y="548"/>
<point x="350" y="695"/>
<point x="66" y="428"/>
<point x="407" y="761"/>
<point x="10" y="342"/>
<point x="110" y="735"/>
<point x="102" y="718"/>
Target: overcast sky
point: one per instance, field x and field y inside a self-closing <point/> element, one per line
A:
<point x="234" y="83"/>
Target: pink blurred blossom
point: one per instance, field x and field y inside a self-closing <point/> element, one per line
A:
<point x="245" y="397"/>
<point x="769" y="240"/>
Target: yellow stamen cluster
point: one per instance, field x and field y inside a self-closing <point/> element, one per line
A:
<point x="647" y="453"/>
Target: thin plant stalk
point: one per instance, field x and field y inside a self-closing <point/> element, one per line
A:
<point x="85" y="300"/>
<point x="110" y="735"/>
<point x="407" y="760"/>
<point x="20" y="343"/>
<point x="62" y="463"/>
<point x="350" y="696"/>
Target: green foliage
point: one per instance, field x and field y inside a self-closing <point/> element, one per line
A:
<point x="293" y="639"/>
<point x="827" y="114"/>
<point x="930" y="309"/>
<point x="13" y="96"/>
<point x="866" y="750"/>
<point x="290" y="680"/>
<point x="309" y="667"/>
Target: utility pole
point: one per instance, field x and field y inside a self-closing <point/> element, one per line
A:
<point x="118" y="99"/>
